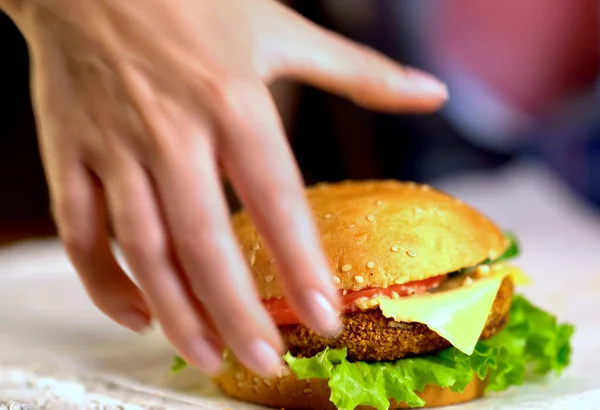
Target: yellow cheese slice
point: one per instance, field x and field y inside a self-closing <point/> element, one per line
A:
<point x="457" y="315"/>
<point x="516" y="274"/>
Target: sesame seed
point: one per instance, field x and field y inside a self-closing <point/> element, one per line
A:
<point x="411" y="253"/>
<point x="483" y="269"/>
<point x="267" y="382"/>
<point x="256" y="380"/>
<point x="377" y="203"/>
<point x="307" y="391"/>
<point x="256" y="246"/>
<point x="362" y="303"/>
<point x="370" y="218"/>
<point x="395" y="295"/>
<point x="255" y="388"/>
<point x="327" y="216"/>
<point x="394" y="249"/>
<point x="336" y="280"/>
<point x="269" y="278"/>
<point x="252" y="259"/>
<point x="352" y="226"/>
<point x="418" y="210"/>
<point x="359" y="279"/>
<point x="370" y="265"/>
<point x="344" y="292"/>
<point x="239" y="376"/>
<point x="468" y="280"/>
<point x="425" y="187"/>
<point x="346" y="268"/>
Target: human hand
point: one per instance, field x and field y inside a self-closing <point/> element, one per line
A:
<point x="140" y="108"/>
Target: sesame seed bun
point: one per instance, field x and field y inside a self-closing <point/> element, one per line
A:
<point x="287" y="392"/>
<point x="380" y="233"/>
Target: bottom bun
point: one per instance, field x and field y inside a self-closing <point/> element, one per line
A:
<point x="287" y="392"/>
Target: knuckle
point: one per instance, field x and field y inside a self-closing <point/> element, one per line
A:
<point x="119" y="144"/>
<point x="100" y="150"/>
<point x="231" y="97"/>
<point x="63" y="206"/>
<point x="369" y="59"/>
<point x="156" y="145"/>
<point x="140" y="248"/>
<point x="367" y="76"/>
<point x="74" y="235"/>
<point x="74" y="240"/>
<point x="102" y="299"/>
<point x="133" y="247"/>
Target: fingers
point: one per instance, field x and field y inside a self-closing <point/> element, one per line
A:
<point x="326" y="60"/>
<point x="140" y="233"/>
<point x="198" y="222"/>
<point x="262" y="168"/>
<point x="79" y="210"/>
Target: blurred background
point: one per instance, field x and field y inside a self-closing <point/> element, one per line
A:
<point x="523" y="87"/>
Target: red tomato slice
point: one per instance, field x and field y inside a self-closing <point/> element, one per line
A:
<point x="282" y="314"/>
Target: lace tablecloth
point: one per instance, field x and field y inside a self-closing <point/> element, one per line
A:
<point x="58" y="352"/>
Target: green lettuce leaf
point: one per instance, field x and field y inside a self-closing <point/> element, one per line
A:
<point x="532" y="340"/>
<point x="178" y="364"/>
<point x="513" y="249"/>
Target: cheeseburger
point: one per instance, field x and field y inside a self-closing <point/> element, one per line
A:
<point x="430" y="314"/>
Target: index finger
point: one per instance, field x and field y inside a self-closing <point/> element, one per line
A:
<point x="263" y="170"/>
<point x="329" y="61"/>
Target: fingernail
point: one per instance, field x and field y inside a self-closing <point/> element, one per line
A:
<point x="206" y="356"/>
<point x="137" y="321"/>
<point x="263" y="359"/>
<point x="421" y="82"/>
<point x="323" y="317"/>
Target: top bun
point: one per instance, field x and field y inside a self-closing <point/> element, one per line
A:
<point x="380" y="233"/>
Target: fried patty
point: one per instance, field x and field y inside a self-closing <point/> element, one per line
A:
<point x="370" y="336"/>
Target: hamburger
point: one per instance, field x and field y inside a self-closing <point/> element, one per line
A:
<point x="430" y="315"/>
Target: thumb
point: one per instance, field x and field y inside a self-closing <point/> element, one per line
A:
<point x="325" y="60"/>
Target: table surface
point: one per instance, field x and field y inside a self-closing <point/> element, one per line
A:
<point x="58" y="352"/>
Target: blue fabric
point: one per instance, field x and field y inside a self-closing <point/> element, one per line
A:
<point x="591" y="158"/>
<point x="574" y="154"/>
